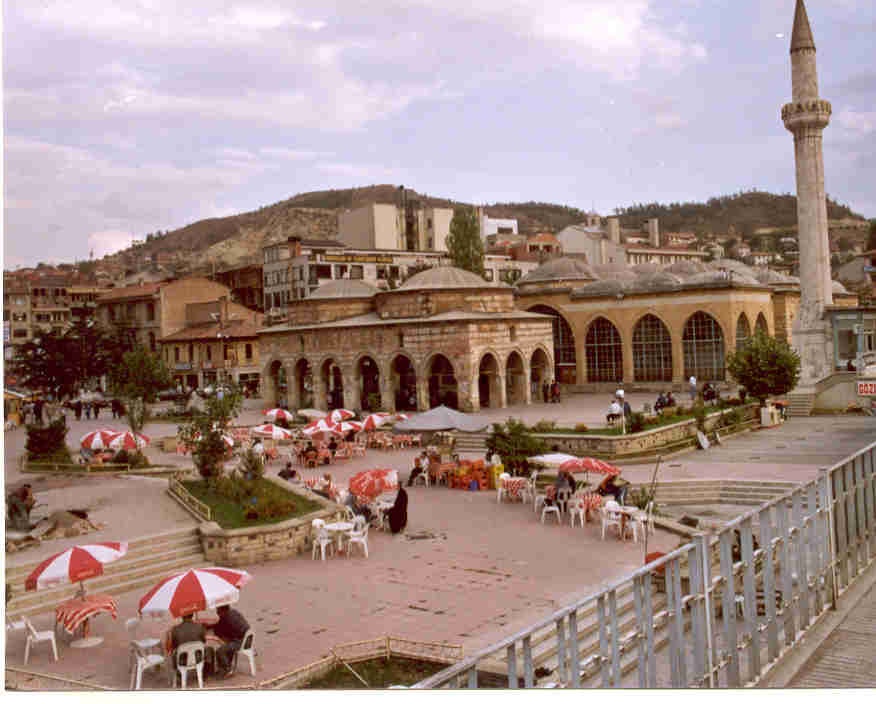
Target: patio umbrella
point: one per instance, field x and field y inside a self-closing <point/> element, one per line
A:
<point x="195" y="590"/>
<point x="276" y="414"/>
<point x="375" y="420"/>
<point x="339" y="414"/>
<point x="128" y="441"/>
<point x="346" y="426"/>
<point x="372" y="483"/>
<point x="311" y="413"/>
<point x="400" y="416"/>
<point x="320" y="428"/>
<point x="98" y="439"/>
<point x="271" y="431"/>
<point x="590" y="464"/>
<point x="74" y="565"/>
<point x="554" y="459"/>
<point x="227" y="439"/>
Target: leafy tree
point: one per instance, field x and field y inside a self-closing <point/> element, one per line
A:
<point x="44" y="363"/>
<point x="137" y="379"/>
<point x="765" y="366"/>
<point x="513" y="442"/>
<point x="203" y="433"/>
<point x="871" y="238"/>
<point x="464" y="243"/>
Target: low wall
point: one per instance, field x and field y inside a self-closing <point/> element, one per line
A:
<point x="837" y="392"/>
<point x="275" y="541"/>
<point x="619" y="446"/>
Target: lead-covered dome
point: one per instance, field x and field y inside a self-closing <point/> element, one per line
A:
<point x="344" y="288"/>
<point x="560" y="269"/>
<point x="439" y="277"/>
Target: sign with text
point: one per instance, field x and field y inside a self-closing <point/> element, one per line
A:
<point x="867" y="388"/>
<point x="357" y="258"/>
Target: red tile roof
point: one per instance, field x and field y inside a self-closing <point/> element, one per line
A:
<point x="233" y="329"/>
<point x="118" y="294"/>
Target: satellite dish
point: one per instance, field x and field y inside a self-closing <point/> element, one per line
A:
<point x="703" y="440"/>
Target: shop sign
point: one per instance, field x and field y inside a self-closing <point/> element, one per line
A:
<point x="357" y="258"/>
<point x="866" y="388"/>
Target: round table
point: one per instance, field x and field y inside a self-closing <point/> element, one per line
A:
<point x="77" y="611"/>
<point x="339" y="528"/>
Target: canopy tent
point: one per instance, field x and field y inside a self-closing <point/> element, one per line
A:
<point x="551" y="460"/>
<point x="443" y="418"/>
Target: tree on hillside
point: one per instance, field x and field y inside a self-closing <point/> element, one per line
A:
<point x="765" y="366"/>
<point x="464" y="243"/>
<point x="871" y="239"/>
<point x="137" y="380"/>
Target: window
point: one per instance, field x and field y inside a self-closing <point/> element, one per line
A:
<point x="488" y="274"/>
<point x="19" y="332"/>
<point x="5" y="314"/>
<point x="248" y="351"/>
<point x="152" y="341"/>
<point x="191" y="352"/>
<point x="209" y="353"/>
<point x="604" y="352"/>
<point x="381" y="273"/>
<point x="652" y="350"/>
<point x="513" y="333"/>
<point x="150" y="311"/>
<point x="401" y="339"/>
<point x="226" y="352"/>
<point x="112" y="311"/>
<point x="176" y="354"/>
<point x="356" y="271"/>
<point x="340" y="271"/>
<point x="429" y="223"/>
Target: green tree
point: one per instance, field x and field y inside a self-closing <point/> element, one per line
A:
<point x="136" y="380"/>
<point x="765" y="366"/>
<point x="464" y="243"/>
<point x="203" y="433"/>
<point x="513" y="442"/>
<point x="871" y="238"/>
<point x="44" y="363"/>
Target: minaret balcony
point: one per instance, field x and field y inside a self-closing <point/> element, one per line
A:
<point x="808" y="113"/>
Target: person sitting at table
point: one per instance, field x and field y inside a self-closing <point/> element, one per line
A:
<point x="359" y="509"/>
<point x="670" y="400"/>
<point x="289" y="474"/>
<point x="566" y="481"/>
<point x="614" y="412"/>
<point x="310" y="455"/>
<point x="418" y="468"/>
<point x="231" y="628"/>
<point x="186" y="632"/>
<point x="332" y="446"/>
<point x="398" y="514"/>
<point x="258" y="447"/>
<point x="613" y="486"/>
<point x="660" y="403"/>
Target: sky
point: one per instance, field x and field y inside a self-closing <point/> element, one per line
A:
<point x="130" y="116"/>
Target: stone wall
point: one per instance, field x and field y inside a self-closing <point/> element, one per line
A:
<point x="309" y="311"/>
<point x="275" y="541"/>
<point x="422" y="303"/>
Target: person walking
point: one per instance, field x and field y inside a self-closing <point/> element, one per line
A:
<point x="38" y="411"/>
<point x="87" y="406"/>
<point x="693" y="388"/>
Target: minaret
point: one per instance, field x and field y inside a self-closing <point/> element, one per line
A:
<point x="805" y="117"/>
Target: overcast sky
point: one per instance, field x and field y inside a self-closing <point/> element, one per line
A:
<point x="123" y="117"/>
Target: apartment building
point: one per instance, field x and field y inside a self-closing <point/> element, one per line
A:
<point x="413" y="227"/>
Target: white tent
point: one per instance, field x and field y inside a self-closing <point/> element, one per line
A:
<point x="443" y="418"/>
<point x="551" y="460"/>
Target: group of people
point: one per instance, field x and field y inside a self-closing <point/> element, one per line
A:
<point x="664" y="401"/>
<point x="550" y="391"/>
<point x="619" y="407"/>
<point x="230" y="629"/>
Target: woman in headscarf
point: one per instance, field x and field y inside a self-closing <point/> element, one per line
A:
<point x="398" y="514"/>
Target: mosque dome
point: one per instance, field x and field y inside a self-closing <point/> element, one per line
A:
<point x="768" y="277"/>
<point x="344" y="288"/>
<point x="655" y="282"/>
<point x="686" y="268"/>
<point x="439" y="277"/>
<point x="645" y="268"/>
<point x="596" y="289"/>
<point x="559" y="269"/>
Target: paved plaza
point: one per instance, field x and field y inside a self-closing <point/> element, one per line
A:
<point x="467" y="570"/>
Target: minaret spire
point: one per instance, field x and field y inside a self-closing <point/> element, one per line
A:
<point x="801" y="36"/>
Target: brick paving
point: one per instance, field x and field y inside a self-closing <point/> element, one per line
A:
<point x="483" y="570"/>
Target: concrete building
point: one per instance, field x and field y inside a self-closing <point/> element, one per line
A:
<point x="492" y="229"/>
<point x="246" y="284"/>
<point x="444" y="336"/>
<point x="413" y="227"/>
<point x="217" y="343"/>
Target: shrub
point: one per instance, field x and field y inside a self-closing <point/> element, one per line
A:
<point x="699" y="412"/>
<point x="47" y="441"/>
<point x="544" y="426"/>
<point x="136" y="459"/>
<point x="580" y="428"/>
<point x="637" y="422"/>
<point x="639" y="497"/>
<point x="252" y="465"/>
<point x="731" y="417"/>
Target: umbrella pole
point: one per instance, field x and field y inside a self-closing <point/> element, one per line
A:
<point x="651" y="492"/>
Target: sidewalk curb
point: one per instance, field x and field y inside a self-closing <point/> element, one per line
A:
<point x="783" y="670"/>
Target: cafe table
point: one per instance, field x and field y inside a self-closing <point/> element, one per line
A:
<point x="339" y="528"/>
<point x="77" y="611"/>
<point x="514" y="487"/>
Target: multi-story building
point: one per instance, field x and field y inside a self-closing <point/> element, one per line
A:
<point x="411" y="227"/>
<point x="217" y="343"/>
<point x="246" y="285"/>
<point x="149" y="312"/>
<point x="16" y="316"/>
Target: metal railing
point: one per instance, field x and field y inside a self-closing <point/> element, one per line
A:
<point x="733" y="605"/>
<point x="202" y="510"/>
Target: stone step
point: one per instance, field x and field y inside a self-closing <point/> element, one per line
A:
<point x="800" y="404"/>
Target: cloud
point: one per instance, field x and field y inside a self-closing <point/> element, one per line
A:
<point x="856" y="121"/>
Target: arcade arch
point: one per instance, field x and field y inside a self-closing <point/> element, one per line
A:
<point x="703" y="343"/>
<point x="604" y="351"/>
<point x="515" y="379"/>
<point x="442" y="383"/>
<point x="652" y="350"/>
<point x="404" y="383"/>
<point x="489" y="391"/>
<point x="565" y="362"/>
<point x="743" y="331"/>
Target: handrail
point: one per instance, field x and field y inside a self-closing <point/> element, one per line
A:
<point x="176" y="488"/>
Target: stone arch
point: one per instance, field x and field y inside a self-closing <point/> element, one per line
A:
<point x="515" y="378"/>
<point x="443" y="387"/>
<point x="761" y="324"/>
<point x="331" y="382"/>
<point x="276" y="389"/>
<point x="743" y="331"/>
<point x="304" y="388"/>
<point x="539" y="371"/>
<point x="366" y="375"/>
<point x="703" y="342"/>
<point x="652" y="349"/>
<point x="489" y="381"/>
<point x="565" y="360"/>
<point x="604" y="351"/>
<point x="403" y="378"/>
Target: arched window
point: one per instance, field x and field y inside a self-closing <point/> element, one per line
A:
<point x="565" y="360"/>
<point x="761" y="324"/>
<point x="652" y="350"/>
<point x="703" y="344"/>
<point x="604" y="352"/>
<point x="743" y="331"/>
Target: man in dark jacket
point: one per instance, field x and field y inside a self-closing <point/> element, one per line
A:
<point x="186" y="632"/>
<point x="231" y="628"/>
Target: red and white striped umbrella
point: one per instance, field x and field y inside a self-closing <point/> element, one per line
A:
<point x="319" y="428"/>
<point x="340" y="414"/>
<point x="195" y="590"/>
<point x="74" y="565"/>
<point x="129" y="441"/>
<point x="98" y="439"/>
<point x="276" y="414"/>
<point x="400" y="416"/>
<point x="227" y="439"/>
<point x="372" y="483"/>
<point x="346" y="426"/>
<point x="590" y="464"/>
<point x="271" y="431"/>
<point x="375" y="420"/>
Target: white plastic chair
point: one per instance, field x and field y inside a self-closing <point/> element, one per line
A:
<point x="611" y="516"/>
<point x="646" y="518"/>
<point x="562" y="499"/>
<point x="358" y="535"/>
<point x="190" y="656"/>
<point x="321" y="538"/>
<point x="550" y="508"/>
<point x="34" y="636"/>
<point x="422" y="476"/>
<point x="146" y="645"/>
<point x="141" y="661"/>
<point x="247" y="650"/>
<point x="528" y="493"/>
<point x="500" y="490"/>
<point x="576" y="508"/>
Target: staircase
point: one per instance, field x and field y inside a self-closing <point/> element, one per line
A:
<point x="800" y="404"/>
<point x="471" y="443"/>
<point x="718" y="491"/>
<point x="147" y="561"/>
